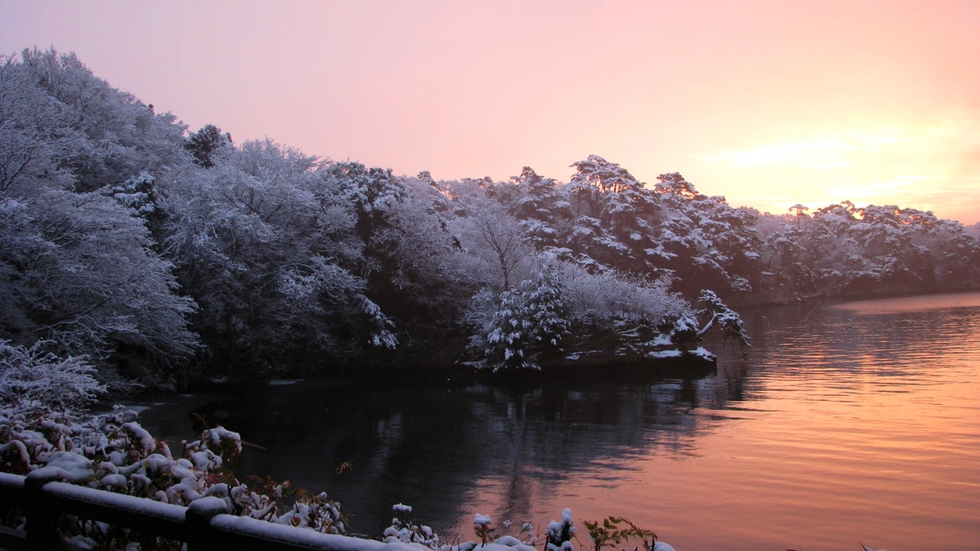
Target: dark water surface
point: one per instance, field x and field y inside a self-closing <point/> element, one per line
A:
<point x="845" y="422"/>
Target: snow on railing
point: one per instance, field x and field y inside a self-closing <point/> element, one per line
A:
<point x="203" y="525"/>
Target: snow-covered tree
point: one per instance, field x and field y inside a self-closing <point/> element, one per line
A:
<point x="525" y="322"/>
<point x="120" y="136"/>
<point x="36" y="133"/>
<point x="842" y="250"/>
<point x="718" y="313"/>
<point x="115" y="230"/>
<point x="79" y="272"/>
<point x="498" y="253"/>
<point x="266" y="241"/>
<point x="205" y="143"/>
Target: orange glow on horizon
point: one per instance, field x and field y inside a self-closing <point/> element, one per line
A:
<point x="767" y="103"/>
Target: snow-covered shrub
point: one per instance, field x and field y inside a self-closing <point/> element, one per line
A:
<point x="560" y="533"/>
<point x="31" y="378"/>
<point x="113" y="452"/>
<point x="484" y="529"/>
<point x="314" y="512"/>
<point x="727" y="319"/>
<point x="683" y="331"/>
<point x="525" y="322"/>
<point x="687" y="330"/>
<point x="404" y="529"/>
<point x="605" y="298"/>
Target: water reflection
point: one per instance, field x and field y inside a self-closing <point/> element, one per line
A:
<point x="426" y="446"/>
<point x="839" y="423"/>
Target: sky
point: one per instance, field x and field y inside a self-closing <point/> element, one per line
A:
<point x="769" y="103"/>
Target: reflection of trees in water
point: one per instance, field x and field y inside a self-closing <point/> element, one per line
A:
<point x="511" y="445"/>
<point x="428" y="446"/>
<point x="540" y="437"/>
<point x="889" y="344"/>
<point x="818" y="345"/>
<point x="562" y="428"/>
<point x="738" y="374"/>
<point x="730" y="384"/>
<point x="441" y="448"/>
<point x="434" y="446"/>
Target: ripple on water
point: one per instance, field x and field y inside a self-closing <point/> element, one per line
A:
<point x="849" y="422"/>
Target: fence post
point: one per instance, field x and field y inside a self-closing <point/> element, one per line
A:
<point x="197" y="519"/>
<point x="40" y="523"/>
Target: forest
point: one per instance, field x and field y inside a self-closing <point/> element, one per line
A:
<point x="154" y="256"/>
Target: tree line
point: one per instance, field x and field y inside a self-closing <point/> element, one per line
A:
<point x="162" y="255"/>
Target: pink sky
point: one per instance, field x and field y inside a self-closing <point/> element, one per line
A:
<point x="766" y="103"/>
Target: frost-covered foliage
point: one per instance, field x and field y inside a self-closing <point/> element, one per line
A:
<point x="686" y="330"/>
<point x="267" y="247"/>
<point x="605" y="217"/>
<point x="163" y="255"/>
<point x="515" y="329"/>
<point x="560" y="533"/>
<point x="77" y="270"/>
<point x="35" y="379"/>
<point x="118" y="136"/>
<point x="77" y="265"/>
<point x="608" y="298"/>
<point x="843" y="250"/>
<point x="113" y="452"/>
<point x="404" y="529"/>
<point x="720" y="314"/>
<point x="410" y="260"/>
<point x="525" y="322"/>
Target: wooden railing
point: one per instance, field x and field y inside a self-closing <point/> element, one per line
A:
<point x="203" y="525"/>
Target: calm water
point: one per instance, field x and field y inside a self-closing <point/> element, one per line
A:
<point x="846" y="422"/>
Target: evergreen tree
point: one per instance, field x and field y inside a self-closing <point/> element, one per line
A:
<point x="528" y="321"/>
<point x="204" y="143"/>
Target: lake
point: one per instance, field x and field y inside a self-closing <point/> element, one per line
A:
<point x="843" y="422"/>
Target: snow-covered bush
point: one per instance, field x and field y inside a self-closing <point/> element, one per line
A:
<point x="682" y="331"/>
<point x="727" y="319"/>
<point x="569" y="304"/>
<point x="604" y="298"/>
<point x="32" y="378"/>
<point x="404" y="529"/>
<point x="688" y="329"/>
<point x="525" y="322"/>
<point x="113" y="452"/>
<point x="560" y="533"/>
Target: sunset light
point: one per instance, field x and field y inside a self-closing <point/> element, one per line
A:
<point x="512" y="275"/>
<point x="930" y="166"/>
<point x="767" y="103"/>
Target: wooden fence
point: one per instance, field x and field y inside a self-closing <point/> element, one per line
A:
<point x="203" y="525"/>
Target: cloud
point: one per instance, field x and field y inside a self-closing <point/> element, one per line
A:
<point x="825" y="151"/>
<point x="931" y="166"/>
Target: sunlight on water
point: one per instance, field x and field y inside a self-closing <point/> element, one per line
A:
<point x="861" y="423"/>
<point x="857" y="421"/>
<point x="911" y="304"/>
